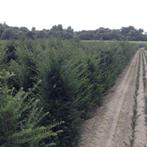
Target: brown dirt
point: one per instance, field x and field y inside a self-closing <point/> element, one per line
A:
<point x="111" y="124"/>
<point x="140" y="134"/>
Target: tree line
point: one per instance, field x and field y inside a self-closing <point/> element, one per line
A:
<point x="125" y="33"/>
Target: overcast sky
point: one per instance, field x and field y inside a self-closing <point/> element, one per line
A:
<point x="80" y="14"/>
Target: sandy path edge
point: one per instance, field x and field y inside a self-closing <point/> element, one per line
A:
<point x="140" y="134"/>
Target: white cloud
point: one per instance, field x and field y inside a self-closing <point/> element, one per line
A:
<point x="80" y="14"/>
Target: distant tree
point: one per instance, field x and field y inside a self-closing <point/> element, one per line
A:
<point x="57" y="31"/>
<point x="7" y="34"/>
<point x="33" y="29"/>
<point x="24" y="29"/>
<point x="130" y="33"/>
<point x="68" y="33"/>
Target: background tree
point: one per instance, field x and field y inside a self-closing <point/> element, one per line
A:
<point x="57" y="31"/>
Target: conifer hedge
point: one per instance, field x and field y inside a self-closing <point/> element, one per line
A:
<point x="74" y="77"/>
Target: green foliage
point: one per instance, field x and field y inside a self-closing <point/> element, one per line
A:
<point x="20" y="117"/>
<point x="124" y="33"/>
<point x="74" y="77"/>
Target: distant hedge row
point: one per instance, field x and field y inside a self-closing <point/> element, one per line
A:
<point x="70" y="78"/>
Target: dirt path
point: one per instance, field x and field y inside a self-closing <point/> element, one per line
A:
<point x="111" y="124"/>
<point x="140" y="134"/>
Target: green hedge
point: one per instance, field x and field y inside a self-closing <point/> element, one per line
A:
<point x="74" y="77"/>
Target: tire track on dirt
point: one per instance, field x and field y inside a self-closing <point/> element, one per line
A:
<point x="140" y="129"/>
<point x="145" y="60"/>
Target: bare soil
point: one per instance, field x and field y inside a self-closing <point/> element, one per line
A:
<point x="140" y="134"/>
<point x="111" y="124"/>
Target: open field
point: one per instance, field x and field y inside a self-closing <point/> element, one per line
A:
<point x="138" y="42"/>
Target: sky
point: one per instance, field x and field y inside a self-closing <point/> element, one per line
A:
<point x="79" y="14"/>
